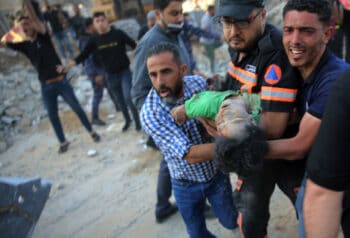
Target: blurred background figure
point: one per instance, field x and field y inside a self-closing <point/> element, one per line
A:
<point x="151" y="20"/>
<point x="189" y="32"/>
<point x="340" y="43"/>
<point x="94" y="72"/>
<point x="210" y="45"/>
<point x="58" y="20"/>
<point x="77" y="22"/>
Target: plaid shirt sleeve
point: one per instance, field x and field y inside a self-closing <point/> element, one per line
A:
<point x="167" y="135"/>
<point x="172" y="139"/>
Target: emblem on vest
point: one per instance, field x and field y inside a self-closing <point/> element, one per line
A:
<point x="273" y="74"/>
<point x="250" y="68"/>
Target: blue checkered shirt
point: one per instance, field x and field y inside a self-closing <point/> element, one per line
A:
<point x="174" y="141"/>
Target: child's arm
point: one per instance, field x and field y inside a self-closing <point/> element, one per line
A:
<point x="179" y="114"/>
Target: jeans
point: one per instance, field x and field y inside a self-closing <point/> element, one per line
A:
<point x="299" y="207"/>
<point x="50" y="93"/>
<point x="163" y="188"/>
<point x="191" y="197"/>
<point x="97" y="96"/>
<point x="210" y="51"/>
<point x="120" y="86"/>
<point x="63" y="43"/>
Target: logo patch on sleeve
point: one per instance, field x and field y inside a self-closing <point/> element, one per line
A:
<point x="273" y="74"/>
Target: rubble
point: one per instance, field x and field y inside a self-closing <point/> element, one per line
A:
<point x="21" y="106"/>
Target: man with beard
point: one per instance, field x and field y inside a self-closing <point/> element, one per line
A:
<point x="184" y="145"/>
<point x="259" y="65"/>
<point x="169" y="24"/>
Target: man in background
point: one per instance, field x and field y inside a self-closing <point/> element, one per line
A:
<point x="151" y="20"/>
<point x="94" y="72"/>
<point x="210" y="45"/>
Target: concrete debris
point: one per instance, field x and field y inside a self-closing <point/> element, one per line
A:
<point x="92" y="153"/>
<point x="21" y="104"/>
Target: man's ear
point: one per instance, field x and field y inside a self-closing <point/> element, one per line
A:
<point x="329" y="33"/>
<point x="183" y="69"/>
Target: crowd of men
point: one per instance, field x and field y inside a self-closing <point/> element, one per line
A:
<point x="299" y="80"/>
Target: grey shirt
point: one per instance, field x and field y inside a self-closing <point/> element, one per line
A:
<point x="141" y="84"/>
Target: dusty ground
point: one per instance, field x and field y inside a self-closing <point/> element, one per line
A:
<point x="113" y="193"/>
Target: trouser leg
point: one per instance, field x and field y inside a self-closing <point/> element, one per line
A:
<point x="252" y="199"/>
<point x="219" y="194"/>
<point x="49" y="95"/>
<point x="190" y="199"/>
<point x="67" y="92"/>
<point x="96" y="98"/>
<point x="115" y="84"/>
<point x="67" y="44"/>
<point x="59" y="42"/>
<point x="126" y="87"/>
<point x="163" y="188"/>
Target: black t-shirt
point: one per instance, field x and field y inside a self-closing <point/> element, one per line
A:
<point x="41" y="54"/>
<point x="78" y="25"/>
<point x="53" y="19"/>
<point x="329" y="161"/>
<point x="346" y="30"/>
<point x="110" y="49"/>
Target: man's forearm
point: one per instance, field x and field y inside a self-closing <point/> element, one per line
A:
<point x="298" y="146"/>
<point x="288" y="149"/>
<point x="37" y="24"/>
<point x="322" y="211"/>
<point x="200" y="153"/>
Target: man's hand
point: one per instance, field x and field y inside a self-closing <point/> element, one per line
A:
<point x="179" y="114"/>
<point x="210" y="126"/>
<point x="99" y="80"/>
<point x="64" y="69"/>
<point x="60" y="69"/>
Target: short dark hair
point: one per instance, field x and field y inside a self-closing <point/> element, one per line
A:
<point x="320" y="7"/>
<point x="210" y="7"/>
<point x="162" y="4"/>
<point x="242" y="157"/>
<point x="165" y="47"/>
<point x="98" y="14"/>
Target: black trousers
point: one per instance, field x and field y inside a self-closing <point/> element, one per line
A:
<point x="252" y="194"/>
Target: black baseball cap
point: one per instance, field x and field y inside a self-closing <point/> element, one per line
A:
<point x="238" y="9"/>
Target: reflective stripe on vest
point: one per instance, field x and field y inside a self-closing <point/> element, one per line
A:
<point x="278" y="94"/>
<point x="248" y="79"/>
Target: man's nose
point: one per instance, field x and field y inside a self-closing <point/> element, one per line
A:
<point x="235" y="29"/>
<point x="180" y="17"/>
<point x="295" y="37"/>
<point x="160" y="80"/>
